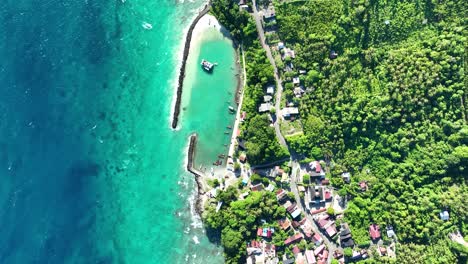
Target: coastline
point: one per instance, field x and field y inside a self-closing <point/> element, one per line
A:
<point x="188" y="39"/>
<point x="201" y="24"/>
<point x="199" y="200"/>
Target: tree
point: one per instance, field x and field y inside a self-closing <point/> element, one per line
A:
<point x="331" y="211"/>
<point x="348" y="252"/>
<point x="306" y="179"/>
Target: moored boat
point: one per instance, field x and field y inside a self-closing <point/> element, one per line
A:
<point x="207" y="66"/>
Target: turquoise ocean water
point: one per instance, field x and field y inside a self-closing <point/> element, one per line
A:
<point x="90" y="171"/>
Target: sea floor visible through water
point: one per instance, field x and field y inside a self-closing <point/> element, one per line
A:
<point x="91" y="171"/>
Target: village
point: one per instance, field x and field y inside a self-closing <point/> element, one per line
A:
<point x="314" y="210"/>
<point x="314" y="219"/>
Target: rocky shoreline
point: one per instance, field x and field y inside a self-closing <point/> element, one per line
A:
<point x="188" y="39"/>
<point x="199" y="203"/>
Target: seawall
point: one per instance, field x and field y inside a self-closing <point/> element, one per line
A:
<point x="188" y="39"/>
<point x="198" y="174"/>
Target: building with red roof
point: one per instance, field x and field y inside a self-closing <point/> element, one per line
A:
<point x="374" y="232"/>
<point x="296" y="250"/>
<point x="296" y="238"/>
<point x="310" y="257"/>
<point x="285" y="224"/>
<point x="259" y="231"/>
<point x="319" y="250"/>
<point x="317" y="239"/>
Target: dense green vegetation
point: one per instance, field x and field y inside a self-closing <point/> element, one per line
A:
<point x="391" y="109"/>
<point x="238" y="221"/>
<point x="262" y="146"/>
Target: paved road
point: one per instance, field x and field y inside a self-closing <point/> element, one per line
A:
<point x="294" y="156"/>
<point x="279" y="86"/>
<point x="328" y="243"/>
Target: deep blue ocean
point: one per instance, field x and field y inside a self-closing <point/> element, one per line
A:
<point x="90" y="171"/>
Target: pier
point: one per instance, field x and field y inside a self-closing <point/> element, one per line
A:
<point x="188" y="39"/>
<point x="198" y="173"/>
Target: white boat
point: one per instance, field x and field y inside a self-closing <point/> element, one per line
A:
<point x="231" y="109"/>
<point x="207" y="66"/>
<point x="147" y="25"/>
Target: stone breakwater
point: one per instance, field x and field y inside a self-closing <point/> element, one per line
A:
<point x="198" y="174"/>
<point x="188" y="39"/>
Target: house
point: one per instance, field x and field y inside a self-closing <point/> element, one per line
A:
<point x="284" y="178"/>
<point x="257" y="187"/>
<point x="297" y="224"/>
<point x="331" y="229"/>
<point x="287" y="112"/>
<point x="333" y="54"/>
<point x="270" y="250"/>
<point x="289" y="53"/>
<point x="317" y="239"/>
<point x="296" y="213"/>
<point x="444" y="215"/>
<point x="296" y="250"/>
<point x="322" y="222"/>
<point x="346" y="176"/>
<point x="293" y="239"/>
<point x="325" y="182"/>
<point x="269" y="14"/>
<point x="301" y="188"/>
<point x="265" y="232"/>
<point x="256" y="259"/>
<point x="346" y="239"/>
<point x="265" y="107"/>
<point x="270" y="187"/>
<point x="259" y="231"/>
<point x="302" y="72"/>
<point x="300" y="259"/>
<point x="310" y="257"/>
<point x="244" y="7"/>
<point x="328" y="194"/>
<point x="374" y="232"/>
<point x="307" y="229"/>
<point x="267" y="98"/>
<point x="285" y="224"/>
<point x="319" y="250"/>
<point x="281" y="194"/>
<point x="296" y="81"/>
<point x="280" y="45"/>
<point x="318" y="211"/>
<point x="270" y="89"/>
<point x="287" y="204"/>
<point x="243" y="158"/>
<point x="390" y="232"/>
<point x="382" y="251"/>
<point x="363" y="186"/>
<point x="277" y="170"/>
<point x="315" y="169"/>
<point x="298" y="91"/>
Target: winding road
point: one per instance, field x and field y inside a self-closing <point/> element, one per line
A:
<point x="279" y="86"/>
<point x="294" y="157"/>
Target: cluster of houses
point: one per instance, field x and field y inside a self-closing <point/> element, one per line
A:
<point x="261" y="252"/>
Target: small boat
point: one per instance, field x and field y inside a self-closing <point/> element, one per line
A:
<point x="221" y="156"/>
<point x="227" y="132"/>
<point x="229" y="127"/>
<point x="231" y="109"/>
<point x="206" y="65"/>
<point x="147" y="25"/>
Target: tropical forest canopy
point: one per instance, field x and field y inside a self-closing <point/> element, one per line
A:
<point x="391" y="109"/>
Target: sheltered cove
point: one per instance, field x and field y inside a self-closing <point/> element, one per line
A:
<point x="188" y="39"/>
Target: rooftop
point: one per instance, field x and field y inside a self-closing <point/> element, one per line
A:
<point x="374" y="231"/>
